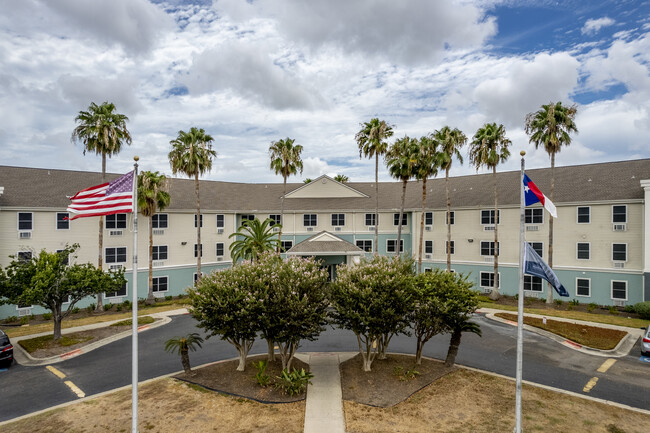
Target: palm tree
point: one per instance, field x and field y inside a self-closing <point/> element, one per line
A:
<point x="101" y="130"/>
<point x="489" y="147"/>
<point x="401" y="160"/>
<point x="451" y="140"/>
<point x="257" y="238"/>
<point x="182" y="346"/>
<point x="371" y="141"/>
<point x="285" y="160"/>
<point x="152" y="197"/>
<point x="457" y="330"/>
<point x="427" y="165"/>
<point x="550" y="126"/>
<point x="308" y="180"/>
<point x="341" y="178"/>
<point x="192" y="155"/>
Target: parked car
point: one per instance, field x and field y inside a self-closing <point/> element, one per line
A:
<point x="6" y="350"/>
<point x="645" y="343"/>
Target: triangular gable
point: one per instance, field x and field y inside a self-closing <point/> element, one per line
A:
<point x="325" y="243"/>
<point x="325" y="187"/>
<point x="325" y="237"/>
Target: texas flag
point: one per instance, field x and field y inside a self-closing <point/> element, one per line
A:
<point x="532" y="194"/>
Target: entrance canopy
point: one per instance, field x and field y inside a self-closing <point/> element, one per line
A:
<point x="327" y="244"/>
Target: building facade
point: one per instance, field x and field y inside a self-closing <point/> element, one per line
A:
<point x="601" y="250"/>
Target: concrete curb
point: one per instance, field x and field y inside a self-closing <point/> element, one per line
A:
<point x="622" y="349"/>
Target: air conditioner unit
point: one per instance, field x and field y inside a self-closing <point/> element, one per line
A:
<point x="371" y="228"/>
<point x="619" y="303"/>
<point x="487" y="289"/>
<point x="427" y="228"/>
<point x="427" y="256"/>
<point x="337" y="229"/>
<point x="276" y="229"/>
<point x="158" y="264"/>
<point x="158" y="232"/>
<point x="115" y="233"/>
<point x="25" y="235"/>
<point x="532" y="228"/>
<point x="24" y="311"/>
<point x="310" y="229"/>
<point x="620" y="227"/>
<point x="530" y="294"/>
<point x="219" y="231"/>
<point x="219" y="258"/>
<point x="115" y="267"/>
<point x="488" y="259"/>
<point x="619" y="265"/>
<point x="488" y="228"/>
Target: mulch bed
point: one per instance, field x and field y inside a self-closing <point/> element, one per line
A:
<point x="382" y="387"/>
<point x="223" y="377"/>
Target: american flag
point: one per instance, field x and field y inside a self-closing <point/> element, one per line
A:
<point x="105" y="199"/>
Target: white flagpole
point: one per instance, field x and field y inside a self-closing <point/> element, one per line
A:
<point x="134" y="320"/>
<point x="520" y="315"/>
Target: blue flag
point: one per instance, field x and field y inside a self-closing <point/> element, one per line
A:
<point x="534" y="265"/>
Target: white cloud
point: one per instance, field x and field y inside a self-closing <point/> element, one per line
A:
<point x="593" y="26"/>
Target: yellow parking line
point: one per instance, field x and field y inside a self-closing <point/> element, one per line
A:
<point x="590" y="384"/>
<point x="56" y="372"/>
<point x="75" y="389"/>
<point x="608" y="363"/>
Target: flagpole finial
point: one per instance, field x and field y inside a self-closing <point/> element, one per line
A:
<point x="522" y="153"/>
<point x="136" y="158"/>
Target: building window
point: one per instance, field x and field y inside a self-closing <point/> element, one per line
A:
<point x="195" y="216"/>
<point x="66" y="259"/>
<point x="487" y="217"/>
<point x="159" y="252"/>
<point x="160" y="220"/>
<point x="534" y="284"/>
<point x="538" y="247"/>
<point x="247" y="217"/>
<point x="428" y="218"/>
<point x="396" y="219"/>
<point x="62" y="221"/>
<point x="428" y="247"/>
<point x="450" y="248"/>
<point x="220" y="221"/>
<point x="25" y="220"/>
<point x="487" y="279"/>
<point x="196" y="250"/>
<point x="286" y="246"/>
<point x="619" y="252"/>
<point x="219" y="249"/>
<point x="583" y="250"/>
<point x="371" y="219"/>
<point x="584" y="214"/>
<point x="487" y="248"/>
<point x="338" y="219"/>
<point x="116" y="255"/>
<point x="619" y="214"/>
<point x="116" y="221"/>
<point x="391" y="244"/>
<point x="276" y="219"/>
<point x="160" y="284"/>
<point x="195" y="276"/>
<point x="583" y="287"/>
<point x="24" y="256"/>
<point x="310" y="220"/>
<point x="619" y="290"/>
<point x="121" y="292"/>
<point x="534" y="215"/>
<point x="365" y="245"/>
<point x="451" y="217"/>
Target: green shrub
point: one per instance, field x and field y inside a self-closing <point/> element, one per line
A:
<point x="24" y="320"/>
<point x="558" y="302"/>
<point x="169" y="298"/>
<point x="574" y="302"/>
<point x="643" y="310"/>
<point x="75" y="310"/>
<point x="402" y="375"/>
<point x="47" y="316"/>
<point x="91" y="307"/>
<point x="126" y="304"/>
<point x="11" y="319"/>
<point x="261" y="376"/>
<point x="295" y="382"/>
<point x="108" y="307"/>
<point x="629" y="309"/>
<point x="592" y="306"/>
<point x="613" y="310"/>
<point x="119" y="307"/>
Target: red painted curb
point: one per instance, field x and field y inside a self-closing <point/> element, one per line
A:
<point x="573" y="344"/>
<point x="71" y="354"/>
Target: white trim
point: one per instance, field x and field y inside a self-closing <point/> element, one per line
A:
<point x="583" y="296"/>
<point x="453" y="241"/>
<point x="626" y="252"/>
<point x="532" y="210"/>
<point x="115" y="248"/>
<point x="160" y="291"/>
<point x="365" y="219"/>
<point x="496" y="247"/>
<point x="310" y="225"/>
<point x="18" y="222"/>
<point x="497" y="217"/>
<point x="404" y="216"/>
<point x="480" y="278"/>
<point x="589" y="245"/>
<point x="626" y="214"/>
<point x="160" y="228"/>
<point x="126" y="221"/>
<point x="159" y="259"/>
<point x="223" y="220"/>
<point x="611" y="290"/>
<point x="364" y="240"/>
<point x="425" y="247"/>
<point x="339" y="214"/>
<point x="578" y="207"/>
<point x="223" y="248"/>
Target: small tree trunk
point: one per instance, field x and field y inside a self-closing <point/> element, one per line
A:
<point x="418" y="351"/>
<point x="57" y="317"/>
<point x="366" y="355"/>
<point x="185" y="360"/>
<point x="242" y="350"/>
<point x="271" y="350"/>
<point x="99" y="308"/>
<point x="150" y="299"/>
<point x="454" y="342"/>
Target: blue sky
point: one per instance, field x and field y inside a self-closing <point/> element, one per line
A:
<point x="253" y="72"/>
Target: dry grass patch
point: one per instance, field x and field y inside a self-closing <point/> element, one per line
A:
<point x="467" y="401"/>
<point x="590" y="336"/>
<point x="167" y="405"/>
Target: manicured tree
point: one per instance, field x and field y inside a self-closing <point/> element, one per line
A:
<point x="192" y="155"/>
<point x="256" y="238"/>
<point x="285" y="161"/>
<point x="371" y="140"/>
<point x="401" y="160"/>
<point x="426" y="317"/>
<point x="152" y="197"/>
<point x="489" y="147"/>
<point x="341" y="178"/>
<point x="372" y="300"/>
<point x="103" y="131"/>
<point x="451" y="140"/>
<point x="550" y="127"/>
<point x="427" y="166"/>
<point x="182" y="346"/>
<point x="50" y="281"/>
<point x="225" y="303"/>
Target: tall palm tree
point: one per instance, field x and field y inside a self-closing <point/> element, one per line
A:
<point x="101" y="130"/>
<point x="257" y="238"/>
<point x="152" y="197"/>
<point x="285" y="161"/>
<point x="427" y="166"/>
<point x="401" y="160"/>
<point x="182" y="346"/>
<point x="489" y="147"/>
<point x="341" y="178"/>
<point x="192" y="155"/>
<point x="371" y="140"/>
<point x="451" y="140"/>
<point x="550" y="126"/>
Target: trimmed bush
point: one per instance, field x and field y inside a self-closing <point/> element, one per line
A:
<point x="643" y="310"/>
